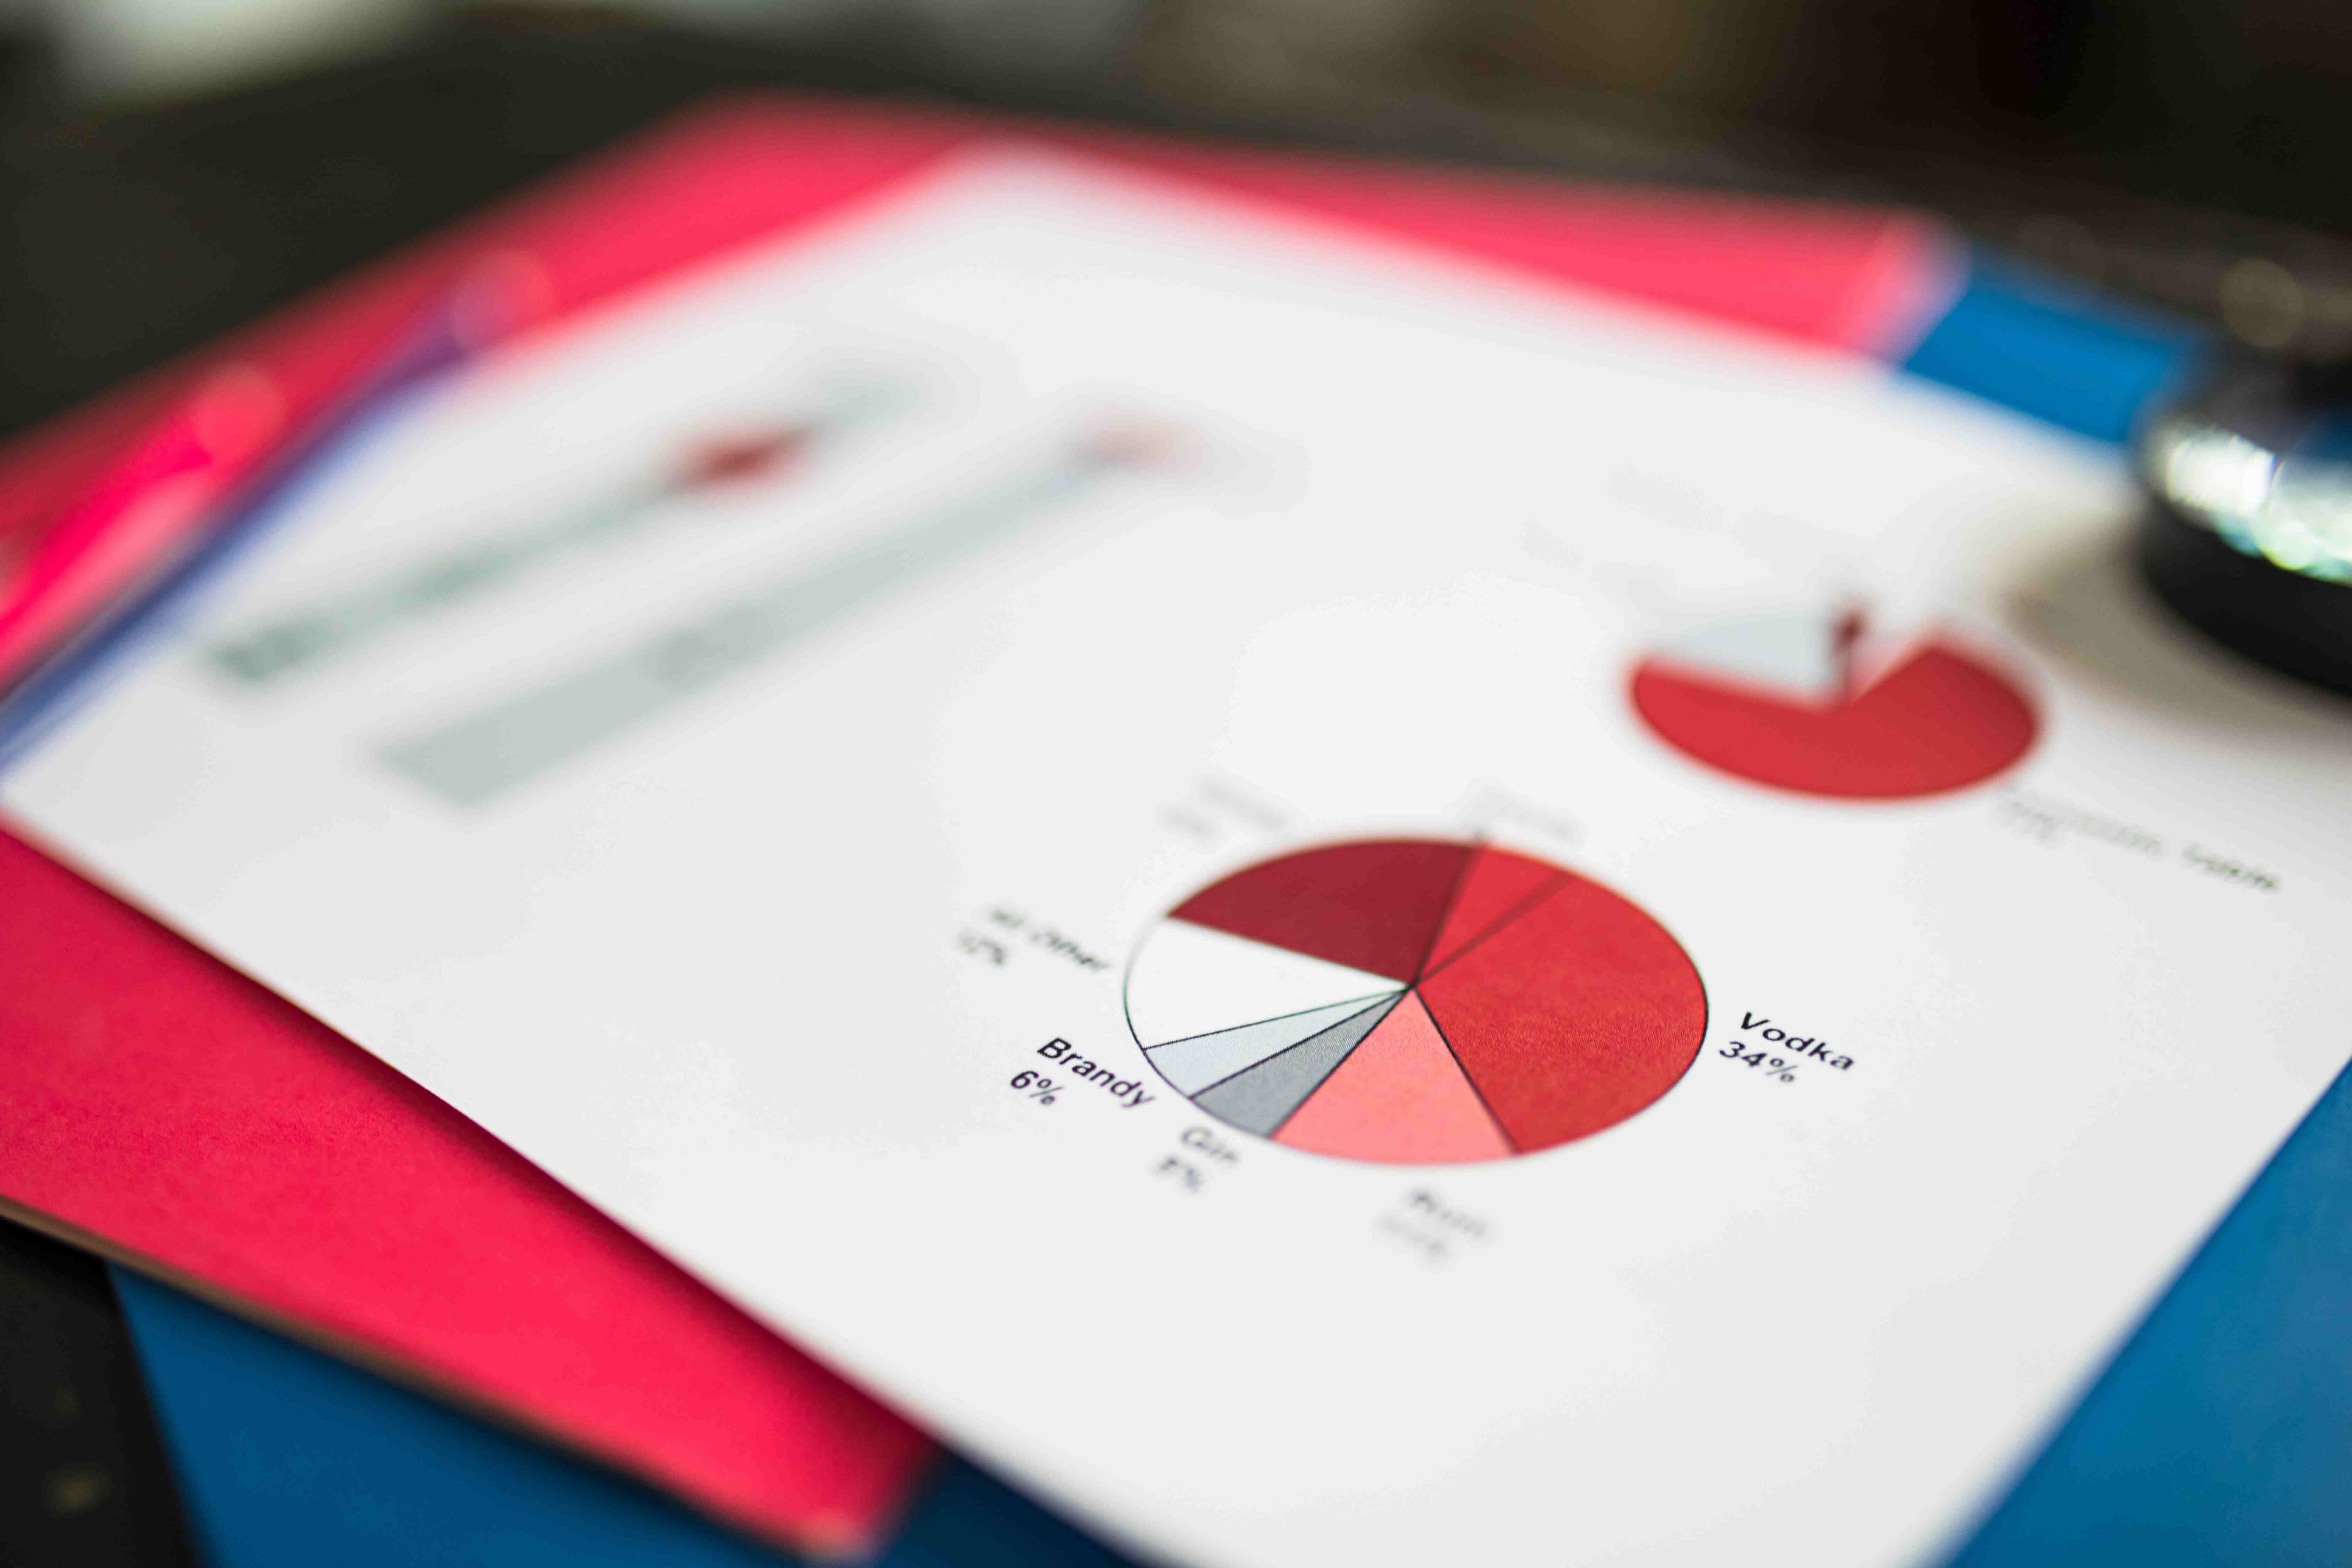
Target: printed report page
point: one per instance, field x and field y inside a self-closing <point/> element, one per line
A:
<point x="1335" y="911"/>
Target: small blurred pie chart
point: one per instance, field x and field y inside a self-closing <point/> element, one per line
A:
<point x="1827" y="704"/>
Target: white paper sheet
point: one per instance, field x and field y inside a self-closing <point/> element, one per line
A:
<point x="734" y="863"/>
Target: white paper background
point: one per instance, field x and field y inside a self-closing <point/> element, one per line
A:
<point x="711" y="977"/>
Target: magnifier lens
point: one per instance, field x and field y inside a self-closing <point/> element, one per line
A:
<point x="2250" y="538"/>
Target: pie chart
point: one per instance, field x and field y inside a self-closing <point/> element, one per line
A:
<point x="1414" y="1001"/>
<point x="1823" y="705"/>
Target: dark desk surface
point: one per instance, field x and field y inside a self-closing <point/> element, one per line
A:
<point x="132" y="236"/>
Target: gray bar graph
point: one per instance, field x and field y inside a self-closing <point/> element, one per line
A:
<point x="297" y="641"/>
<point x="477" y="758"/>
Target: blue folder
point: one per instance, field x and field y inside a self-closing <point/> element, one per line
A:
<point x="2221" y="1433"/>
<point x="286" y="1457"/>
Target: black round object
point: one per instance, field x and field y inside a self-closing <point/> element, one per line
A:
<point x="2294" y="624"/>
<point x="2250" y="536"/>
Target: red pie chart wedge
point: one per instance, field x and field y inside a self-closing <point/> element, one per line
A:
<point x="1808" y="704"/>
<point x="1414" y="1001"/>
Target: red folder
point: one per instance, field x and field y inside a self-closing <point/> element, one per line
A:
<point x="163" y="1109"/>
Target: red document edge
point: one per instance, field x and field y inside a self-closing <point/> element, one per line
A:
<point x="163" y="1109"/>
